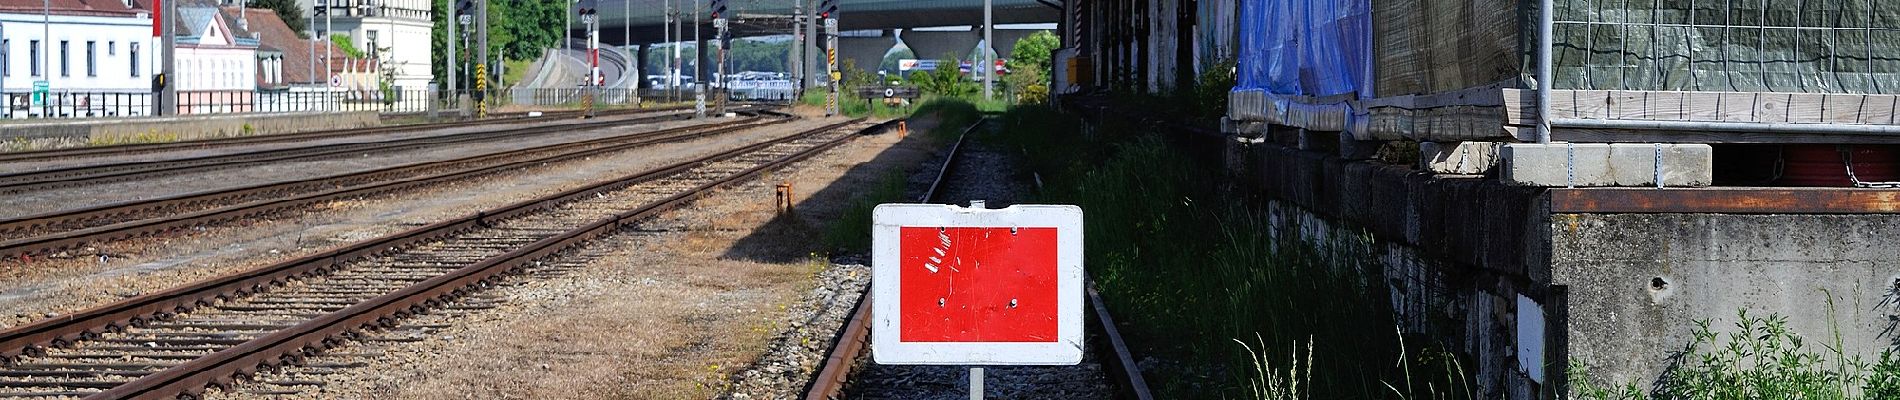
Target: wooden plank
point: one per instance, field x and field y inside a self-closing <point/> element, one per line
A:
<point x="1737" y="107"/>
<point x="1588" y="104"/>
<point x="1843" y="108"/>
<point x="1771" y="107"/>
<point x="1725" y="201"/>
<point x="1702" y="106"/>
<point x="1520" y="106"/>
<point x="1628" y="104"/>
<point x="1880" y="110"/>
<point x="1805" y="108"/>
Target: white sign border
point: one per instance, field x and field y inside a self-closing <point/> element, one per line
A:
<point x="886" y="348"/>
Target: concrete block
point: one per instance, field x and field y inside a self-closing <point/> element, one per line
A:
<point x="1603" y="164"/>
<point x="1458" y="158"/>
<point x="1351" y="148"/>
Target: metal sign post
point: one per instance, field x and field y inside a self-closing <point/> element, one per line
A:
<point x="974" y="286"/>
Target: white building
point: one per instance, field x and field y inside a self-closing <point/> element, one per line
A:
<point x="396" y="32"/>
<point x="104" y="49"/>
<point x="217" y="62"/>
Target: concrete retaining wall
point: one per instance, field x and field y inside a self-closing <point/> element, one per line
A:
<point x="38" y="135"/>
<point x="1455" y="253"/>
<point x="1637" y="282"/>
<point x="1485" y="268"/>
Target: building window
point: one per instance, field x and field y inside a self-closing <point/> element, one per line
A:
<point x="92" y="58"/>
<point x="134" y="48"/>
<point x="65" y="59"/>
<point x="372" y="43"/>
<point x="112" y="48"/>
<point x="34" y="55"/>
<point x="6" y="57"/>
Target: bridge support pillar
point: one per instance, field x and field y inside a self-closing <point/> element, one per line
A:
<point x="640" y="65"/>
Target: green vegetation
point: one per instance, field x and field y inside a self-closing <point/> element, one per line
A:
<point x="344" y="44"/>
<point x="1759" y="359"/>
<point x="516" y="71"/>
<point x="851" y="232"/>
<point x="286" y="10"/>
<point x="1191" y="268"/>
<point x="517" y="30"/>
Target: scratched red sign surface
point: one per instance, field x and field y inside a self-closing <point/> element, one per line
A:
<point x="978" y="284"/>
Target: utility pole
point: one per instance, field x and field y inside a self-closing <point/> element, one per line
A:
<point x="666" y="35"/>
<point x="329" y="54"/>
<point x="798" y="49"/>
<point x="699" y="65"/>
<point x="989" y="52"/>
<point x="167" y="103"/>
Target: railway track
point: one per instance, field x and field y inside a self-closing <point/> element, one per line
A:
<point x="44" y="233"/>
<point x="180" y="341"/>
<point x="836" y="373"/>
<point x="23" y="181"/>
<point x="125" y="149"/>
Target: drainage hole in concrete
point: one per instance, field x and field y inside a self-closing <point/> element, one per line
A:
<point x="1658" y="284"/>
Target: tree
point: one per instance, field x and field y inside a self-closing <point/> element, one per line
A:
<point x="286" y="10"/>
<point x="1033" y="52"/>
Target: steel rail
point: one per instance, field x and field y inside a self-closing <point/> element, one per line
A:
<point x="835" y="372"/>
<point x="68" y="176"/>
<point x="350" y="185"/>
<point x="140" y="148"/>
<point x="288" y="345"/>
<point x="850" y="342"/>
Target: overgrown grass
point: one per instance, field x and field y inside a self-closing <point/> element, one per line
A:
<point x="1190" y="269"/>
<point x="851" y="232"/>
<point x="1760" y="359"/>
<point x="854" y="107"/>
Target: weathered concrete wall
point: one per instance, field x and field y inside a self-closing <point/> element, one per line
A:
<point x="36" y="135"/>
<point x="1459" y="255"/>
<point x="1637" y="282"/>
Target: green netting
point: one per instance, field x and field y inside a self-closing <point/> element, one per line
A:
<point x="1812" y="46"/>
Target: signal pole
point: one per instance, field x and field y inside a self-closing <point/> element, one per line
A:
<point x="719" y="23"/>
<point x="481" y="63"/>
<point x="828" y="10"/>
<point x="587" y="10"/>
<point x="989" y="53"/>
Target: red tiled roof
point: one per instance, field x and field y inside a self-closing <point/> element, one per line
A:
<point x="274" y="34"/>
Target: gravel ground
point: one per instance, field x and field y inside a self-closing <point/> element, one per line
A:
<point x="21" y="204"/>
<point x="691" y="305"/>
<point x="10" y="167"/>
<point x="983" y="172"/>
<point x="112" y="271"/>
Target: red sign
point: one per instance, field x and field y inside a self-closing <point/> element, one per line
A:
<point x="975" y="286"/>
<point x="978" y="284"/>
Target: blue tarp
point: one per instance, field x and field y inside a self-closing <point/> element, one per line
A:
<point x="1316" y="48"/>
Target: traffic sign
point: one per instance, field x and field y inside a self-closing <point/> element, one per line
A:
<point x="39" y="92"/>
<point x="973" y="286"/>
<point x="336" y="80"/>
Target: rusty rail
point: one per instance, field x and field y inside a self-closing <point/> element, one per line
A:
<point x="289" y="344"/>
<point x="836" y="369"/>
<point x="830" y="380"/>
<point x="141" y="148"/>
<point x="283" y="346"/>
<point x="68" y="176"/>
<point x="348" y="185"/>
